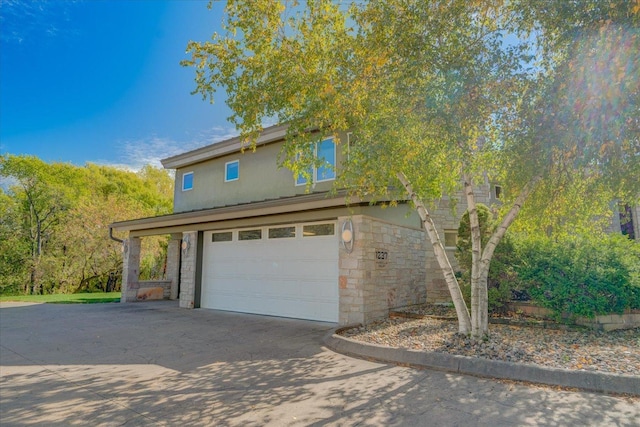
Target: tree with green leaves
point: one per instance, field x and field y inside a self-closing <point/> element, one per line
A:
<point x="54" y="222"/>
<point x="437" y="95"/>
<point x="42" y="200"/>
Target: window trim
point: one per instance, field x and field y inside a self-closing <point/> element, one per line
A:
<point x="185" y="174"/>
<point x="226" y="171"/>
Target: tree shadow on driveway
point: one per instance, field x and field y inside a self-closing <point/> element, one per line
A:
<point x="154" y="364"/>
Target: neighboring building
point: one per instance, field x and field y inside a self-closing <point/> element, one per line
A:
<point x="626" y="220"/>
<point x="245" y="236"/>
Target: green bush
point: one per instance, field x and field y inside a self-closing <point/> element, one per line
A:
<point x="502" y="279"/>
<point x="580" y="275"/>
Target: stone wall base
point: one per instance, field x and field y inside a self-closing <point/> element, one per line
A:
<point x="610" y="322"/>
<point x="145" y="290"/>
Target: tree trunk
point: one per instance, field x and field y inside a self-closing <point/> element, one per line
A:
<point x="479" y="294"/>
<point x="464" y="321"/>
<point x="485" y="261"/>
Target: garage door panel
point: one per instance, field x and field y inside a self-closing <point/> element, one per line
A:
<point x="291" y="277"/>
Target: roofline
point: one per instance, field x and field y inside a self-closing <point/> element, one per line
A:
<point x="218" y="149"/>
<point x="267" y="207"/>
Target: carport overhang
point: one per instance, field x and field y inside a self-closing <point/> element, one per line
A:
<point x="185" y="246"/>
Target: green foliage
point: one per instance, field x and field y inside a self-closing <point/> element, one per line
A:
<point x="501" y="280"/>
<point x="153" y="257"/>
<point x="581" y="275"/>
<point x="54" y="235"/>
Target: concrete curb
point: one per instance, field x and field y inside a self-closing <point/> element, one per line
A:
<point x="592" y="381"/>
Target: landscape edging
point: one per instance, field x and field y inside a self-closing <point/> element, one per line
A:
<point x="592" y="381"/>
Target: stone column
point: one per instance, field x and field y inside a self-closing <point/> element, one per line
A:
<point x="173" y="264"/>
<point x="188" y="269"/>
<point x="351" y="280"/>
<point x="130" y="269"/>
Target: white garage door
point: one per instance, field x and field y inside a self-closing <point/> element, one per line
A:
<point x="285" y="270"/>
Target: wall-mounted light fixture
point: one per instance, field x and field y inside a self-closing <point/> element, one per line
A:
<point x="347" y="236"/>
<point x="186" y="244"/>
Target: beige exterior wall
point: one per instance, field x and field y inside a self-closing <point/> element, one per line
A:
<point x="260" y="179"/>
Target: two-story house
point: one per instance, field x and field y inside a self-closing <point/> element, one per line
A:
<point x="248" y="237"/>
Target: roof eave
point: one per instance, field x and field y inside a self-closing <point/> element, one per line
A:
<point x="268" y="207"/>
<point x="219" y="149"/>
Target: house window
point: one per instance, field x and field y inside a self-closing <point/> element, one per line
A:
<point x="301" y="180"/>
<point x="450" y="239"/>
<point x="318" y="230"/>
<point x="225" y="236"/>
<point x="498" y="191"/>
<point x="187" y="181"/>
<point x="282" y="232"/>
<point x="325" y="151"/>
<point x="232" y="171"/>
<point x="250" y="234"/>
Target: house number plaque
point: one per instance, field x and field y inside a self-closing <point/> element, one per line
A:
<point x="382" y="257"/>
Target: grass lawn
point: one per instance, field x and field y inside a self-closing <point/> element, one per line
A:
<point x="88" y="298"/>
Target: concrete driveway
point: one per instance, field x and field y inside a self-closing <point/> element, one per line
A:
<point x="155" y="364"/>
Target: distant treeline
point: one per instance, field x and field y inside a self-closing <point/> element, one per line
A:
<point x="54" y="224"/>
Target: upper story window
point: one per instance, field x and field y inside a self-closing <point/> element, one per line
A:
<point x="498" y="191"/>
<point x="187" y="181"/>
<point x="325" y="151"/>
<point x="232" y="171"/>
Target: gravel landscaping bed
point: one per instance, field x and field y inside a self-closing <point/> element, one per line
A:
<point x="613" y="352"/>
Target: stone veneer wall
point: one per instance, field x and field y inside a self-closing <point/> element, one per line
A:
<point x="369" y="286"/>
<point x="153" y="289"/>
<point x="173" y="265"/>
<point x="188" y="269"/>
<point x="445" y="219"/>
<point x="130" y="269"/>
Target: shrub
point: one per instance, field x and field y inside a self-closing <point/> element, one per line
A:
<point x="581" y="275"/>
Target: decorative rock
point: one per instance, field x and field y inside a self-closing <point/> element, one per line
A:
<point x="614" y="352"/>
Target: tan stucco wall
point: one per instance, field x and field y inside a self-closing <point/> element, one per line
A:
<point x="260" y="179"/>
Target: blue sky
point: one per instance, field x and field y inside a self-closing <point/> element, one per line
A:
<point x="100" y="81"/>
